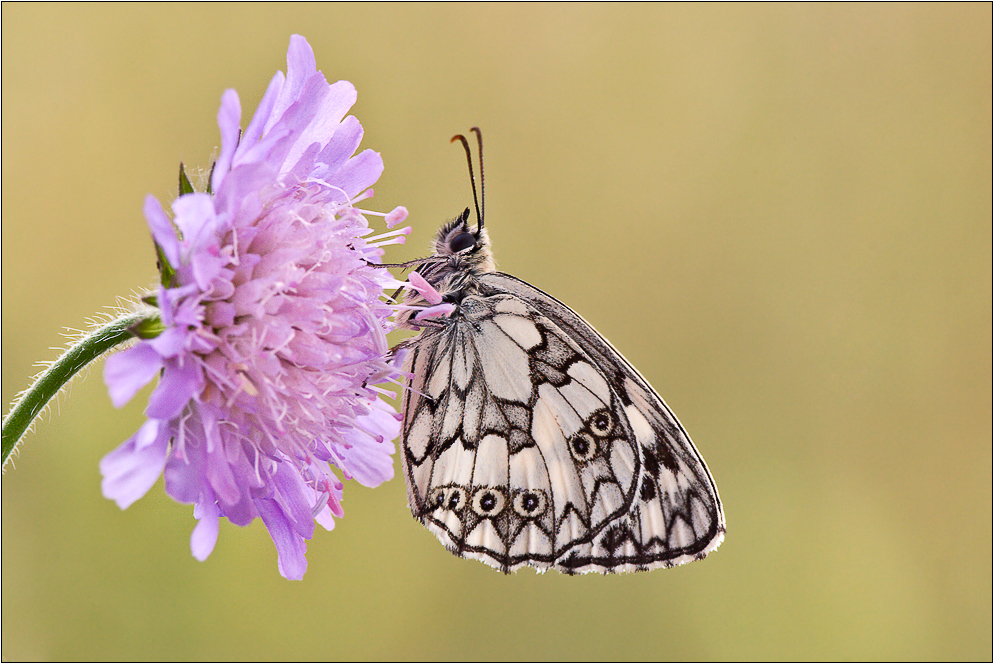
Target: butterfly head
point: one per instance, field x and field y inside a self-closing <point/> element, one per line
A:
<point x="460" y="250"/>
<point x="466" y="248"/>
<point x="458" y="238"/>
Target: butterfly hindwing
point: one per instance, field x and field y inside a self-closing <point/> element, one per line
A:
<point x="513" y="451"/>
<point x="529" y="440"/>
<point x="677" y="516"/>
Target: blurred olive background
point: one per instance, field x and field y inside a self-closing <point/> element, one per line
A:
<point x="780" y="214"/>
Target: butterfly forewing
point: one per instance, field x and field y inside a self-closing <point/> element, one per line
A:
<point x="528" y="440"/>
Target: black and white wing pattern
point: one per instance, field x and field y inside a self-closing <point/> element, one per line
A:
<point x="529" y="440"/>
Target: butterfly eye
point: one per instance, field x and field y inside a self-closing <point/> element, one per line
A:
<point x="488" y="502"/>
<point x="461" y="242"/>
<point x="601" y="423"/>
<point x="529" y="504"/>
<point x="583" y="446"/>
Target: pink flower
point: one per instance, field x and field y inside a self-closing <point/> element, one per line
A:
<point x="273" y="324"/>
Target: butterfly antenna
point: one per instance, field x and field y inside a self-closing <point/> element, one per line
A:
<point x="481" y="214"/>
<point x="472" y="176"/>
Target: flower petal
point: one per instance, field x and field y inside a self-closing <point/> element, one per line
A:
<point x="162" y="230"/>
<point x="171" y="342"/>
<point x="204" y="535"/>
<point x="253" y="133"/>
<point x="300" y="66"/>
<point x="175" y="389"/>
<point x="370" y="462"/>
<point x="290" y="547"/>
<point x="130" y="370"/>
<point x="131" y="469"/>
<point x="184" y="474"/>
<point x="359" y="172"/>
<point x="347" y="137"/>
<point x="325" y="519"/>
<point x="229" y="117"/>
<point x="196" y="219"/>
<point x="293" y="499"/>
<point x="274" y="328"/>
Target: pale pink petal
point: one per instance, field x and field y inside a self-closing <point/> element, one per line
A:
<point x="229" y="117"/>
<point x="290" y="547"/>
<point x="162" y="230"/>
<point x="130" y="370"/>
<point x="359" y="172"/>
<point x="253" y="133"/>
<point x="204" y="535"/>
<point x="274" y="326"/>
<point x="131" y="469"/>
<point x="176" y="387"/>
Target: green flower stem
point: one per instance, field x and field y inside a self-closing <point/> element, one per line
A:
<point x="48" y="383"/>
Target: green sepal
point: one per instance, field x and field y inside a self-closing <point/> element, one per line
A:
<point x="210" y="178"/>
<point x="151" y="300"/>
<point x="185" y="186"/>
<point x="147" y="328"/>
<point x="166" y="271"/>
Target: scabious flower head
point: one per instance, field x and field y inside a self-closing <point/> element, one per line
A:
<point x="271" y="332"/>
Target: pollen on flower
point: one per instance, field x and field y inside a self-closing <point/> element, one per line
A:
<point x="274" y="324"/>
<point x="247" y="387"/>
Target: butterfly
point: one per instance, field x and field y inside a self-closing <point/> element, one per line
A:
<point x="528" y="440"/>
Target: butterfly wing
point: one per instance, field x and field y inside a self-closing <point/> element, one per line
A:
<point x="528" y="440"/>
<point x="677" y="515"/>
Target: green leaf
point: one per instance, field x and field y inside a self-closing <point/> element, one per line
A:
<point x="185" y="187"/>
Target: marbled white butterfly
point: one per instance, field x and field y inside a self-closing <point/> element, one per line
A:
<point x="529" y="440"/>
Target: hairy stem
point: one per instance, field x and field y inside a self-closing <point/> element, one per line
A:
<point x="48" y="383"/>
